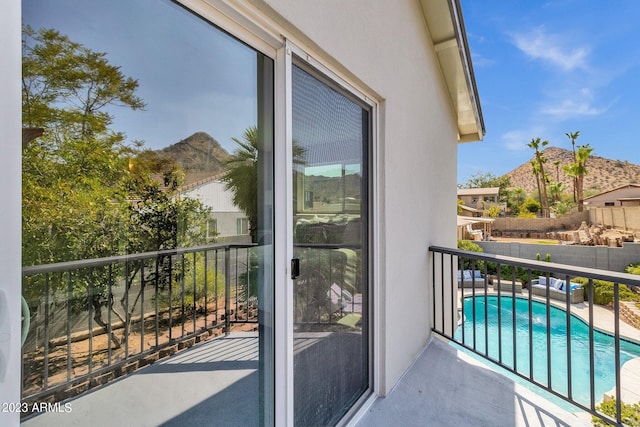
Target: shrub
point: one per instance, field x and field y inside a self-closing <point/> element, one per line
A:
<point x="215" y="287"/>
<point x="494" y="211"/>
<point x="525" y="214"/>
<point x="633" y="269"/>
<point x="630" y="413"/>
<point x="530" y="205"/>
<point x="468" y="245"/>
<point x="603" y="291"/>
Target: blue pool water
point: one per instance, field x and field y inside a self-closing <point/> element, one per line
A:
<point x="604" y="351"/>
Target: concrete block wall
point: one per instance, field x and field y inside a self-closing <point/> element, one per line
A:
<point x="600" y="257"/>
<point x="626" y="218"/>
<point x="566" y="222"/>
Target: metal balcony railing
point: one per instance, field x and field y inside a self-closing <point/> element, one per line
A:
<point x="94" y="320"/>
<point x="539" y="320"/>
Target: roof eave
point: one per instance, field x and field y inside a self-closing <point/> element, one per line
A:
<point x="446" y="26"/>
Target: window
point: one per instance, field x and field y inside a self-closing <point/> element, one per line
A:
<point x="242" y="226"/>
<point x="212" y="229"/>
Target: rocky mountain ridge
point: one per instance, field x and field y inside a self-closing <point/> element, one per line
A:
<point x="602" y="174"/>
<point x="200" y="156"/>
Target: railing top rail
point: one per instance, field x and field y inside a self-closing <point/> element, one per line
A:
<point x="551" y="267"/>
<point x="99" y="262"/>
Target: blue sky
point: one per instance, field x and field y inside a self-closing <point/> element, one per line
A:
<point x="547" y="68"/>
<point x="176" y="59"/>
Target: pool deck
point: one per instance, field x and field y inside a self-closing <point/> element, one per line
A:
<point x="603" y="319"/>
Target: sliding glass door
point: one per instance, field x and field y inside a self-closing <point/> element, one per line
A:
<point x="331" y="133"/>
<point x="147" y="216"/>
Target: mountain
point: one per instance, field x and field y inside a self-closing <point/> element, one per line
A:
<point x="200" y="156"/>
<point x="602" y="174"/>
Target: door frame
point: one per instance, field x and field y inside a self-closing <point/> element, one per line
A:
<point x="284" y="299"/>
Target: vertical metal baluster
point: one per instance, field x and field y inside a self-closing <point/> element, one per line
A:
<point x="548" y="313"/>
<point x="142" y="289"/>
<point x="206" y="300"/>
<point x="182" y="284"/>
<point x="46" y="332"/>
<point x="616" y="311"/>
<point x="215" y="291"/>
<point x="69" y="300"/>
<point x="485" y="289"/>
<point x="109" y="305"/>
<point x="127" y="317"/>
<point x="246" y="302"/>
<point x="235" y="279"/>
<point x="433" y="286"/>
<point x="462" y="319"/>
<point x="529" y="298"/>
<point x="499" y="315"/>
<point x="227" y="290"/>
<point x="486" y="322"/>
<point x="567" y="292"/>
<point x="170" y="298"/>
<point x="442" y="291"/>
<point x="453" y="300"/>
<point x="591" y="349"/>
<point x="156" y="285"/>
<point x="514" y="319"/>
<point x="195" y="292"/>
<point x="91" y="308"/>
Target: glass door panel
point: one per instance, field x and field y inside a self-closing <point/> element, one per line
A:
<point x="330" y="240"/>
<point x="147" y="216"/>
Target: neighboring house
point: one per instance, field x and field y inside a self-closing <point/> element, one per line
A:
<point x="626" y="195"/>
<point x="383" y="172"/>
<point x="479" y="198"/>
<point x="227" y="222"/>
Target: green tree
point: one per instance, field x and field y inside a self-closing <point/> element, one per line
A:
<point x="536" y="144"/>
<point x="487" y="180"/>
<point x="86" y="194"/>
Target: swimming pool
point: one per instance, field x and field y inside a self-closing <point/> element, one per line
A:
<point x="604" y="351"/>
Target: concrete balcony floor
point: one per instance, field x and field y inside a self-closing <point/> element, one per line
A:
<point x="212" y="384"/>
<point x="446" y="387"/>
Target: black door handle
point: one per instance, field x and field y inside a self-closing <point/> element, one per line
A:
<point x="295" y="268"/>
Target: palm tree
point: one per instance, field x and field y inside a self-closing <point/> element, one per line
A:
<point x="242" y="178"/>
<point x="573" y="136"/>
<point x="536" y="144"/>
<point x="555" y="189"/>
<point x="578" y="170"/>
<point x="535" y="168"/>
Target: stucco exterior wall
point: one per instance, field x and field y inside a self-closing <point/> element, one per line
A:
<point x="386" y="45"/>
<point x="614" y="196"/>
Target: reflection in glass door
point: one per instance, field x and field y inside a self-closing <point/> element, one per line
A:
<point x="147" y="185"/>
<point x="330" y="243"/>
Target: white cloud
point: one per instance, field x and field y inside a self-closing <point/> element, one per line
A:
<point x="577" y="104"/>
<point x="540" y="45"/>
<point x="517" y="139"/>
<point x="569" y="108"/>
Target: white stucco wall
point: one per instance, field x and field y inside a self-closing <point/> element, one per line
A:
<point x="10" y="208"/>
<point x="385" y="44"/>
